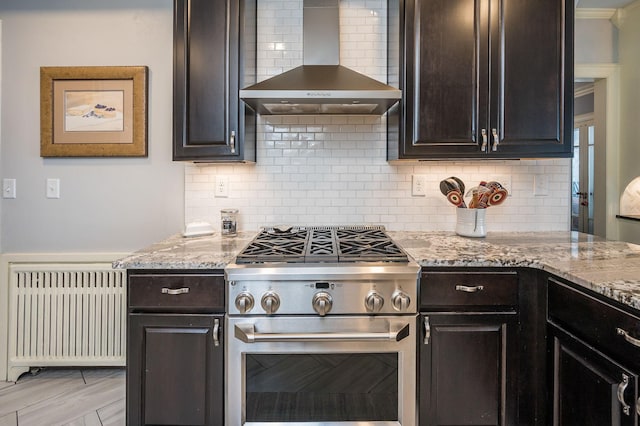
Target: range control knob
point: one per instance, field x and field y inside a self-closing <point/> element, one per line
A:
<point x="373" y="302"/>
<point x="322" y="303"/>
<point x="244" y="302"/>
<point x="400" y="300"/>
<point x="270" y="302"/>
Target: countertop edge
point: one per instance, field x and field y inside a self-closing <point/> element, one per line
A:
<point x="609" y="268"/>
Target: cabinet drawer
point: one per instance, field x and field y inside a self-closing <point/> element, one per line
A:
<point x="183" y="293"/>
<point x="472" y="290"/>
<point x="596" y="322"/>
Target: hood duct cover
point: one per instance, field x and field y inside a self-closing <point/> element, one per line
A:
<point x="321" y="85"/>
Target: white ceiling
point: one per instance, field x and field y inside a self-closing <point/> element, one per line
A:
<point x="606" y="4"/>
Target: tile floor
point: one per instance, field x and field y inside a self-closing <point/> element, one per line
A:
<point x="70" y="397"/>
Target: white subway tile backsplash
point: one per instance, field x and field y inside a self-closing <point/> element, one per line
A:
<point x="333" y="170"/>
<point x="333" y="189"/>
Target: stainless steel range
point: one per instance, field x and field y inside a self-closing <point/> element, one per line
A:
<point x="321" y="326"/>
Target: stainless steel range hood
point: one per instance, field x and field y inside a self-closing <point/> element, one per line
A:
<point x="321" y="85"/>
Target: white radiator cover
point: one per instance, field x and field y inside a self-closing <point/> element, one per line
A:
<point x="65" y="315"/>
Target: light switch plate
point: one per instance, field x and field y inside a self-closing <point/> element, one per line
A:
<point x="53" y="188"/>
<point x="8" y="188"/>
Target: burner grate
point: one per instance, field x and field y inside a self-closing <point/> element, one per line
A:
<point x="370" y="250"/>
<point x="275" y="245"/>
<point x="363" y="234"/>
<point x="322" y="244"/>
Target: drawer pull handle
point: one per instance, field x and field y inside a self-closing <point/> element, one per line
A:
<point x="216" y="332"/>
<point x="627" y="337"/>
<point x="622" y="386"/>
<point x="470" y="289"/>
<point x="174" y="291"/>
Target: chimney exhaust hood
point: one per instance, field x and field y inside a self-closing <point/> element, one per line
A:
<point x="321" y="85"/>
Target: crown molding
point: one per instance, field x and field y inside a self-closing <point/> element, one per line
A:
<point x="616" y="16"/>
<point x="599" y="13"/>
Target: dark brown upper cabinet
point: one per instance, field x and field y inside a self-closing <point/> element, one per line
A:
<point x="214" y="55"/>
<point x="481" y="78"/>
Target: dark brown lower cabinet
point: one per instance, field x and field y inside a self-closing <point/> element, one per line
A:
<point x="175" y="348"/>
<point x="595" y="358"/>
<point x="589" y="388"/>
<point x="176" y="369"/>
<point x="468" y="369"/>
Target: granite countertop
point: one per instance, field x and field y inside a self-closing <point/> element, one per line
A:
<point x="611" y="268"/>
<point x="178" y="252"/>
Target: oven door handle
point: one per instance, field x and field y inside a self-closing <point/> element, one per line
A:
<point x="247" y="333"/>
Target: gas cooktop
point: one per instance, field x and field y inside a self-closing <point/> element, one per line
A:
<point x="321" y="244"/>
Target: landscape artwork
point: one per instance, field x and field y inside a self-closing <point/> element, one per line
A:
<point x="94" y="111"/>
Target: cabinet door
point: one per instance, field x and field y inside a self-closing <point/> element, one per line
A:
<point x="480" y="71"/>
<point x="468" y="369"/>
<point x="532" y="96"/>
<point x="175" y="370"/>
<point x="446" y="87"/>
<point x="588" y="388"/>
<point x="209" y="121"/>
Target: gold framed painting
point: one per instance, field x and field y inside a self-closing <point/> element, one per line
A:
<point x="93" y="111"/>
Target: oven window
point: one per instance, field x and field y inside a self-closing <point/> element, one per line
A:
<point x="321" y="387"/>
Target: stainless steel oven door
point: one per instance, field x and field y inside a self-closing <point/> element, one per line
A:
<point x="321" y="371"/>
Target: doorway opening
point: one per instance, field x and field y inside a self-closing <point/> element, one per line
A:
<point x="604" y="201"/>
<point x="582" y="174"/>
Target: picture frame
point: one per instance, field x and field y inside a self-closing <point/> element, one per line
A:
<point x="93" y="111"/>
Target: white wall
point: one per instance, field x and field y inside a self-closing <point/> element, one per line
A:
<point x="333" y="170"/>
<point x="596" y="40"/>
<point x="106" y="204"/>
<point x="630" y="110"/>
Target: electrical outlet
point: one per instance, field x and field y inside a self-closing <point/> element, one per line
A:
<point x="418" y="187"/>
<point x="8" y="188"/>
<point x="53" y="188"/>
<point x="222" y="186"/>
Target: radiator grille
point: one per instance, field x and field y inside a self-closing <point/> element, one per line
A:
<point x="67" y="315"/>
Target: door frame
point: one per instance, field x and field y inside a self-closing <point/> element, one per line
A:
<point x="607" y="90"/>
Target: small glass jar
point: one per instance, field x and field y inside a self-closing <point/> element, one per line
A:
<point x="229" y="222"/>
